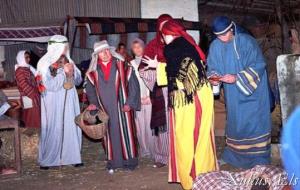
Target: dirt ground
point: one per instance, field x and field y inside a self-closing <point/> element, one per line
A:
<point x="93" y="174"/>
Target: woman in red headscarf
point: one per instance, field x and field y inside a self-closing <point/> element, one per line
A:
<point x="159" y="96"/>
<point x="192" y="148"/>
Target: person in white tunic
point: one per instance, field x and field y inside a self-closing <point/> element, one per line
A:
<point x="60" y="141"/>
<point x="143" y="117"/>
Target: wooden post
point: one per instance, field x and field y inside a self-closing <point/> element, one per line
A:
<point x="17" y="149"/>
<point x="285" y="42"/>
<point x="10" y="123"/>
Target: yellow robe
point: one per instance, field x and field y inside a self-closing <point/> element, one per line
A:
<point x="183" y="151"/>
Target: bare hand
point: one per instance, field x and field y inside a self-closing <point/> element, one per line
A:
<point x="69" y="69"/>
<point x="214" y="79"/>
<point x="142" y="73"/>
<point x="151" y="63"/>
<point x="228" y="78"/>
<point x="91" y="107"/>
<point x="214" y="83"/>
<point x="126" y="108"/>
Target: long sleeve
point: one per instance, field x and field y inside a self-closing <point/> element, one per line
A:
<point x="212" y="61"/>
<point x="161" y="74"/>
<point x="249" y="78"/>
<point x="54" y="84"/>
<point x="134" y="94"/>
<point x="149" y="78"/>
<point x="91" y="93"/>
<point x="25" y="85"/>
<point x="77" y="76"/>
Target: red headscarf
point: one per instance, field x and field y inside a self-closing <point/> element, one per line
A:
<point x="174" y="28"/>
<point x="156" y="46"/>
<point x="162" y="18"/>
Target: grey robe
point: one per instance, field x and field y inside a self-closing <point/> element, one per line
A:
<point x="110" y="101"/>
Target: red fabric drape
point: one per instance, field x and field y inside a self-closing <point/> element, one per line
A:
<point x="172" y="27"/>
<point x="156" y="46"/>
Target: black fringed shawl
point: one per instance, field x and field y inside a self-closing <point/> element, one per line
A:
<point x="184" y="64"/>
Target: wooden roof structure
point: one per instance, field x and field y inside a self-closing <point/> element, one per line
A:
<point x="256" y="6"/>
<point x="259" y="8"/>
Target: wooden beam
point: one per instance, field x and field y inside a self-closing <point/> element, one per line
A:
<point x="285" y="42"/>
<point x="230" y="6"/>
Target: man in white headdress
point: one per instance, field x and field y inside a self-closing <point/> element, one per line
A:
<point x="60" y="141"/>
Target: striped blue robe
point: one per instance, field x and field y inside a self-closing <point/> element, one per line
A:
<point x="248" y="128"/>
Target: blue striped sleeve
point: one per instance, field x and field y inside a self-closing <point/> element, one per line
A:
<point x="247" y="81"/>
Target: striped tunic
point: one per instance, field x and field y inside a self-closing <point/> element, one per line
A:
<point x="159" y="98"/>
<point x="118" y="90"/>
<point x="28" y="87"/>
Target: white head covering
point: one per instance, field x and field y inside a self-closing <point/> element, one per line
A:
<point x="99" y="46"/>
<point x="21" y="62"/>
<point x="57" y="45"/>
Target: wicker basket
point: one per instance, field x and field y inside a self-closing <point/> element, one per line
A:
<point x="94" y="131"/>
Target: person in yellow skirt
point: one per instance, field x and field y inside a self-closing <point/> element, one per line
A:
<point x="192" y="147"/>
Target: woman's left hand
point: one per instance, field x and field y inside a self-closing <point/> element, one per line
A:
<point x="228" y="78"/>
<point x="151" y="63"/>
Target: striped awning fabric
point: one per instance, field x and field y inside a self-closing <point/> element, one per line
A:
<point x="98" y="26"/>
<point x="38" y="33"/>
<point x="23" y="33"/>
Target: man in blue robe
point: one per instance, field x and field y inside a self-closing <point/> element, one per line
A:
<point x="238" y="62"/>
